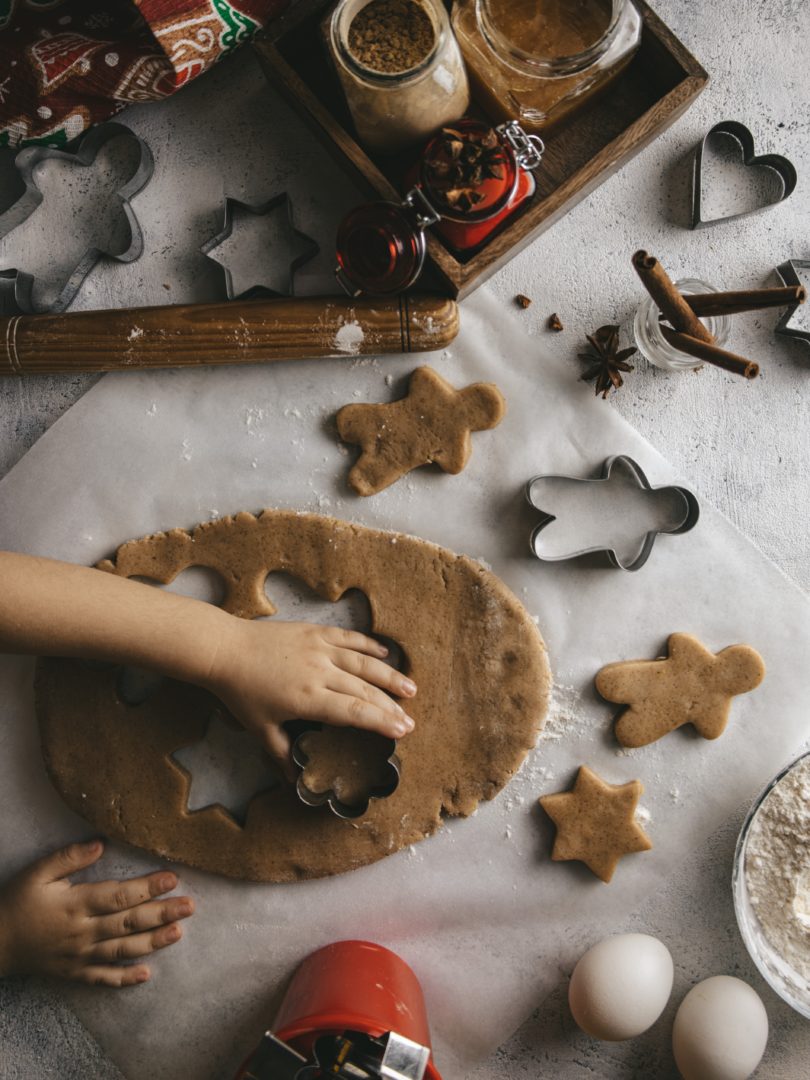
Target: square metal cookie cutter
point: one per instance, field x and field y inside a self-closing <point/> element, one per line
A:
<point x="16" y="286"/>
<point x="734" y="129"/>
<point x="685" y="520"/>
<point x="330" y="797"/>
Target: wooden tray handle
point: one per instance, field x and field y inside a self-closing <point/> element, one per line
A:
<point x="234" y="332"/>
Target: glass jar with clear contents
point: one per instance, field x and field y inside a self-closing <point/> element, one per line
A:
<point x="538" y="61"/>
<point x="655" y="347"/>
<point x="396" y="109"/>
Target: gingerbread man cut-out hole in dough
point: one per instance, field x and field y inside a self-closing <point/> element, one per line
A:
<point x="690" y="686"/>
<point x="431" y="425"/>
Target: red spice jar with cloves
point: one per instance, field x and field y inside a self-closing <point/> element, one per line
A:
<point x="470" y="178"/>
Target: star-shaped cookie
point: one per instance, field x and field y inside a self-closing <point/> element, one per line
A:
<point x="596" y="822"/>
<point x="432" y="424"/>
<point x="690" y="686"/>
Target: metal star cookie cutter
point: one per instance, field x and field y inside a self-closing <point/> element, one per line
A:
<point x="16" y="286"/>
<point x="330" y="797"/>
<point x="233" y="209"/>
<point x="734" y="129"/>
<point x="789" y="273"/>
<point x="685" y="520"/>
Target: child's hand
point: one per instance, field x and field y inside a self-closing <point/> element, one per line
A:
<point x="267" y="673"/>
<point x="84" y="932"/>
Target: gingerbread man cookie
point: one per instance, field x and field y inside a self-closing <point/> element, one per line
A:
<point x="432" y="424"/>
<point x="596" y="822"/>
<point x="690" y="686"/>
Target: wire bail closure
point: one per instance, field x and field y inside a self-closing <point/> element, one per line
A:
<point x="529" y="149"/>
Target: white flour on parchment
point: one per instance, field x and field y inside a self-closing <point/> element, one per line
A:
<point x="777" y="868"/>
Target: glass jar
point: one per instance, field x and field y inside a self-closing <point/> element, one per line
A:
<point x="538" y="61"/>
<point x="654" y="346"/>
<point x="393" y="110"/>
<point x="381" y="246"/>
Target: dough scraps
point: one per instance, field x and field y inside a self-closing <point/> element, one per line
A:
<point x="469" y="644"/>
<point x="690" y="686"/>
<point x="596" y="822"/>
<point x="432" y="424"/>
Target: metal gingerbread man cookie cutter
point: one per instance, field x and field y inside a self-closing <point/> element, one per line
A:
<point x="684" y="517"/>
<point x="17" y="286"/>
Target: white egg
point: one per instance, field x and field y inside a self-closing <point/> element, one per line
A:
<point x="720" y="1031"/>
<point x="619" y="987"/>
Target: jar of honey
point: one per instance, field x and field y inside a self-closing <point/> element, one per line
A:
<point x="539" y="61"/>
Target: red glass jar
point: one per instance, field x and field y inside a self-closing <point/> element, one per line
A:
<point x="381" y="246"/>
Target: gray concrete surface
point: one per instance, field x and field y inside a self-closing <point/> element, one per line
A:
<point x="745" y="446"/>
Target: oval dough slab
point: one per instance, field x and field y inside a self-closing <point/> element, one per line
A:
<point x="471" y="647"/>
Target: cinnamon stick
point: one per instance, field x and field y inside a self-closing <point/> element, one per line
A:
<point x="711" y="354"/>
<point x="671" y="304"/>
<point x="732" y="303"/>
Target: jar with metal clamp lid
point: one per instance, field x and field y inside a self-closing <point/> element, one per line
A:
<point x="468" y="181"/>
<point x="539" y="61"/>
<point x="400" y="68"/>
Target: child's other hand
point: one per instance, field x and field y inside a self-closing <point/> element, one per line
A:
<point x="267" y="673"/>
<point x="50" y="927"/>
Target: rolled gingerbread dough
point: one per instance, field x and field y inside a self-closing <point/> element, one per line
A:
<point x="474" y="652"/>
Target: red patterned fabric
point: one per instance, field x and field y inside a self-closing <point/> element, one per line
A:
<point x="65" y="64"/>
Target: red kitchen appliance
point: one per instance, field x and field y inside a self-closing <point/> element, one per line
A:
<point x="354" y="1011"/>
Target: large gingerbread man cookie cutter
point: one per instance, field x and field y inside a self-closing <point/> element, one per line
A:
<point x="684" y="518"/>
<point x="17" y="287"/>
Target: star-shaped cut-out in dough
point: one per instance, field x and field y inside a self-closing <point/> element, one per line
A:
<point x="596" y="822"/>
<point x="226" y="768"/>
<point x="432" y="424"/>
<point x="690" y="686"/>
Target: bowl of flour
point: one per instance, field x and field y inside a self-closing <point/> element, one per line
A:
<point x="771" y="883"/>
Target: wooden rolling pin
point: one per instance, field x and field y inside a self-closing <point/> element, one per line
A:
<point x="234" y="332"/>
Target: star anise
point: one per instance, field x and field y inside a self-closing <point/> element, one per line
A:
<point x="606" y="359"/>
<point x="461" y="162"/>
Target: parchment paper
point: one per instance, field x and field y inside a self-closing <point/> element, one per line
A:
<point x="479" y="911"/>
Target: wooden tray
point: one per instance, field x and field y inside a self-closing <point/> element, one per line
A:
<point x="660" y="84"/>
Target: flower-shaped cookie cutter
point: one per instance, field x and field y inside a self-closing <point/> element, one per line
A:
<point x="683" y="521"/>
<point x="17" y="286"/>
<point x="330" y="796"/>
<point x="784" y="170"/>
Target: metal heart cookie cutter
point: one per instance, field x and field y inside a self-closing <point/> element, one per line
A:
<point x="329" y="795"/>
<point x="16" y="286"/>
<point x="783" y="169"/>
<point x="591" y="519"/>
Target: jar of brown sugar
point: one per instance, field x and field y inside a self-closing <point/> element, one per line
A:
<point x="538" y="61"/>
<point x="400" y="68"/>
